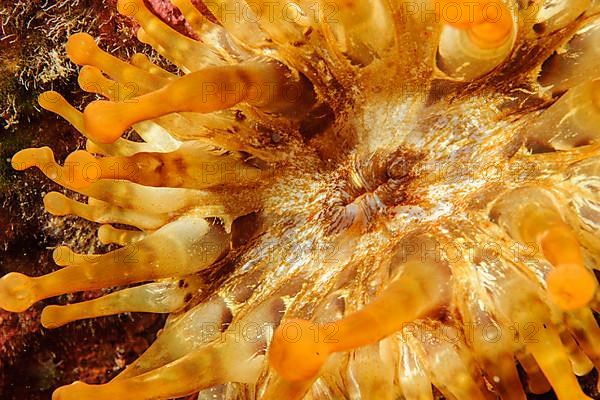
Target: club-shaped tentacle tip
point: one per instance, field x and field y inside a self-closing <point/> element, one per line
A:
<point x="56" y="204"/>
<point x="52" y="317"/>
<point x="90" y="78"/>
<point x="16" y="292"/>
<point x="571" y="286"/>
<point x="33" y="157"/>
<point x="62" y="255"/>
<point x="81" y="48"/>
<point x="128" y="8"/>
<point x="104" y="121"/>
<point x="50" y="100"/>
<point x="105" y="234"/>
<point x="297" y="351"/>
<point x="81" y="169"/>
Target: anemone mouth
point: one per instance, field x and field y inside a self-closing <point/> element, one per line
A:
<point x="339" y="207"/>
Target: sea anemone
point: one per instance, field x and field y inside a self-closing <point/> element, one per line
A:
<point x="339" y="199"/>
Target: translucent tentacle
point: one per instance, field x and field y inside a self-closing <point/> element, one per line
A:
<point x="282" y="21"/>
<point x="182" y="50"/>
<point x="206" y="367"/>
<point x="472" y="42"/>
<point x="92" y="80"/>
<point x="119" y="193"/>
<point x="198" y="22"/>
<point x="53" y="101"/>
<point x="584" y="327"/>
<point x="531" y="217"/>
<point x="102" y="212"/>
<point x="495" y="355"/>
<point x="363" y="30"/>
<point x="235" y="358"/>
<point x="239" y="20"/>
<point x="536" y="380"/>
<point x="302" y="360"/>
<point x="159" y="297"/>
<point x="192" y="243"/>
<point x="191" y="166"/>
<point x="108" y="234"/>
<point x="56" y="103"/>
<point x="452" y="369"/>
<point x="197" y="327"/>
<point x="411" y="374"/>
<point x="571" y="121"/>
<point x="372" y="375"/>
<point x="582" y="365"/>
<point x="83" y="50"/>
<point x="484" y="328"/>
<point x="63" y="255"/>
<point x="526" y="309"/>
<point x="142" y="61"/>
<point x="553" y="16"/>
<point x="523" y="302"/>
<point x="265" y="85"/>
<point x="553" y="360"/>
<point x="193" y="16"/>
<point x="577" y="63"/>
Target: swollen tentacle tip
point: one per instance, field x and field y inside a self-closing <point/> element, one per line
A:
<point x="104" y="121"/>
<point x="63" y="255"/>
<point x="128" y="8"/>
<point x="296" y="352"/>
<point x="571" y="286"/>
<point x="53" y="317"/>
<point x="51" y="100"/>
<point x="139" y="59"/>
<point x="142" y="36"/>
<point x="57" y="204"/>
<point x="488" y="23"/>
<point x="106" y="234"/>
<point x="54" y="102"/>
<point x="82" y="169"/>
<point x="16" y="292"/>
<point x="32" y="157"/>
<point x="90" y="79"/>
<point x="81" y="48"/>
<point x="492" y="34"/>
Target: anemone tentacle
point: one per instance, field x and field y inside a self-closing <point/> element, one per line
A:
<point x="360" y="204"/>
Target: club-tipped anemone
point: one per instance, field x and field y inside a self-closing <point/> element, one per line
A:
<point x="17" y="292"/>
<point x="364" y="203"/>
